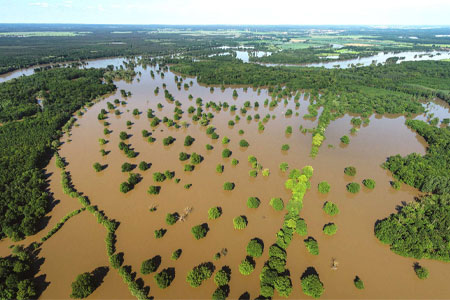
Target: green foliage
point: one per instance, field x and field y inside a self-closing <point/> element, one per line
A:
<point x="116" y="260"/>
<point x="253" y="202"/>
<point x="214" y="212"/>
<point x="228" y="186"/>
<point x="196" y="158"/>
<point x="421" y="272"/>
<point x="428" y="173"/>
<point x="189" y="168"/>
<point x="312" y="286"/>
<point x="83" y="286"/>
<point x="168" y="140"/>
<point x="222" y="277"/>
<point x="226" y="153"/>
<point x="225" y="140"/>
<point x="247" y="266"/>
<point x="331" y="208"/>
<point x="123" y="135"/>
<point x="183" y="156"/>
<point x="285" y="147"/>
<point x="255" y="247"/>
<point x="345" y="140"/>
<point x="277" y="204"/>
<point x="283" y="285"/>
<point x="143" y="166"/>
<point x="127" y="167"/>
<point x="164" y="278"/>
<point x="97" y="167"/>
<point x="284" y="166"/>
<point x="265" y="172"/>
<point x="396" y="185"/>
<point x="253" y="173"/>
<point x="419" y="229"/>
<point x="243" y="143"/>
<point x="324" y="187"/>
<point x="188" y="140"/>
<point x="330" y="229"/>
<point x="312" y="246"/>
<point x="159" y="177"/>
<point x="234" y="162"/>
<point x="359" y="284"/>
<point x="219" y="168"/>
<point x="200" y="231"/>
<point x="154" y="190"/>
<point x="172" y="218"/>
<point x="176" y="254"/>
<point x="353" y="187"/>
<point x="369" y="183"/>
<point x="240" y="222"/>
<point x="150" y="265"/>
<point x="209" y="147"/>
<point x="200" y="273"/>
<point x="350" y="171"/>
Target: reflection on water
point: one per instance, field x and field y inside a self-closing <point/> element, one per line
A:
<point x="385" y="274"/>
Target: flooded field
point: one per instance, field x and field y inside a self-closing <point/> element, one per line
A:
<point x="79" y="246"/>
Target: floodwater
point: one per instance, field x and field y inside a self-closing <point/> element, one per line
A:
<point x="381" y="57"/>
<point x="79" y="246"/>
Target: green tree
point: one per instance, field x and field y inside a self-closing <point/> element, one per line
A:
<point x="83" y="286"/>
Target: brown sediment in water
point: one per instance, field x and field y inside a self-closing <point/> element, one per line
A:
<point x="385" y="274"/>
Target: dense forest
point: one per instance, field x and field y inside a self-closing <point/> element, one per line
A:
<point x="30" y="134"/>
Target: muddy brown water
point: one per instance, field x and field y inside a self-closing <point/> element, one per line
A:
<point x="79" y="246"/>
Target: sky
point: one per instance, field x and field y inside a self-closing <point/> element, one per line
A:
<point x="262" y="12"/>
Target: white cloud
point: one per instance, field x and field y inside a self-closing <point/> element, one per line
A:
<point x="40" y="4"/>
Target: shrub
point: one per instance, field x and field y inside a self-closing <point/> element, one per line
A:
<point x="266" y="291"/>
<point x="323" y="187"/>
<point x="285" y="147"/>
<point x="288" y="130"/>
<point x="331" y="208"/>
<point x="196" y="158"/>
<point x="125" y="187"/>
<point x="231" y="123"/>
<point x="214" y="212"/>
<point x="176" y="254"/>
<point x="168" y="140"/>
<point x="234" y="162"/>
<point x="164" y="278"/>
<point x="222" y="277"/>
<point x="209" y="147"/>
<point x="353" y="187"/>
<point x="253" y="173"/>
<point x="255" y="247"/>
<point x="253" y="202"/>
<point x="252" y="159"/>
<point x="159" y="177"/>
<point x="200" y="273"/>
<point x="116" y="260"/>
<point x="97" y="167"/>
<point x="228" y="186"/>
<point x="123" y="135"/>
<point x="330" y="229"/>
<point x="284" y="166"/>
<point x="265" y="172"/>
<point x="150" y="265"/>
<point x="283" y="285"/>
<point x="243" y="143"/>
<point x="241" y="132"/>
<point x="350" y="171"/>
<point x="369" y="183"/>
<point x="199" y="231"/>
<point x="127" y="167"/>
<point x="226" y="153"/>
<point x="345" y="140"/>
<point x="188" y="168"/>
<point x="240" y="222"/>
<point x="359" y="284"/>
<point x="143" y="166"/>
<point x="154" y="190"/>
<point x="183" y="156"/>
<point x="219" y="168"/>
<point x="159" y="233"/>
<point x="312" y="286"/>
<point x="312" y="246"/>
<point x="247" y="266"/>
<point x="277" y="204"/>
<point x="187" y="186"/>
<point x="83" y="286"/>
<point x="171" y="218"/>
<point x="188" y="140"/>
<point x="396" y="185"/>
<point x="421" y="272"/>
<point x="225" y="140"/>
